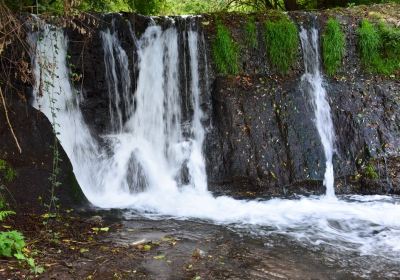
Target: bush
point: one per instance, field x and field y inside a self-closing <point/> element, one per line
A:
<point x="225" y="51"/>
<point x="251" y="33"/>
<point x="282" y="41"/>
<point x="333" y="46"/>
<point x="379" y="47"/>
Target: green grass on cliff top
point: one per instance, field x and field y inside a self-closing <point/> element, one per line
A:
<point x="225" y="51"/>
<point x="333" y="46"/>
<point x="282" y="41"/>
<point x="379" y="46"/>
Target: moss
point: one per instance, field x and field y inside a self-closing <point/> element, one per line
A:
<point x="282" y="42"/>
<point x="333" y="46"/>
<point x="251" y="33"/>
<point x="225" y="51"/>
<point x="370" y="172"/>
<point x="379" y="47"/>
<point x="7" y="172"/>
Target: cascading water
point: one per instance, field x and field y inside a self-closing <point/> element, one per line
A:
<point x="153" y="162"/>
<point x="313" y="85"/>
<point x="151" y="150"/>
<point x="115" y="58"/>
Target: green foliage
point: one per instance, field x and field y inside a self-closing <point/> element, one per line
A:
<point x="187" y="7"/>
<point x="11" y="244"/>
<point x="370" y="172"/>
<point x="225" y="51"/>
<point x="5" y="213"/>
<point x="3" y="204"/>
<point x="7" y="172"/>
<point x="390" y="50"/>
<point x="333" y="46"/>
<point x="282" y="42"/>
<point x="369" y="43"/>
<point x="146" y="7"/>
<point x="379" y="47"/>
<point x="180" y="6"/>
<point x="251" y="33"/>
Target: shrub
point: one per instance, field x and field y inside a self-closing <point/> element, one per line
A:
<point x="282" y="43"/>
<point x="333" y="46"/>
<point x="225" y="51"/>
<point x="251" y="33"/>
<point x="379" y="47"/>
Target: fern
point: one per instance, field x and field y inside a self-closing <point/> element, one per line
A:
<point x="5" y="213"/>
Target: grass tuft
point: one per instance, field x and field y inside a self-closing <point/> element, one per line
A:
<point x="251" y="33"/>
<point x="282" y="42"/>
<point x="225" y="51"/>
<point x="333" y="46"/>
<point x="379" y="47"/>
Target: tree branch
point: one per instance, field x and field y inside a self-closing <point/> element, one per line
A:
<point x="8" y="121"/>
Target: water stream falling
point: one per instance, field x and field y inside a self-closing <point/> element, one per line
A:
<point x="313" y="85"/>
<point x="152" y="163"/>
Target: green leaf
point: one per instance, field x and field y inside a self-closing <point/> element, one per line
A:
<point x="31" y="262"/>
<point x="19" y="256"/>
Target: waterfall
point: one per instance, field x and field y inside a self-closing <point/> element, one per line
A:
<point x="150" y="147"/>
<point x="56" y="98"/>
<point x="196" y="162"/>
<point x="119" y="86"/>
<point x="151" y="160"/>
<point x="312" y="83"/>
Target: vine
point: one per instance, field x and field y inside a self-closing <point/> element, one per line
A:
<point x="48" y="87"/>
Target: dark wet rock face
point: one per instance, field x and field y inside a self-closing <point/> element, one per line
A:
<point x="264" y="132"/>
<point x="366" y="116"/>
<point x="265" y="140"/>
<point x="31" y="187"/>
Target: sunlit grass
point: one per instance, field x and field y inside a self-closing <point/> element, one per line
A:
<point x="282" y="43"/>
<point x="333" y="46"/>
